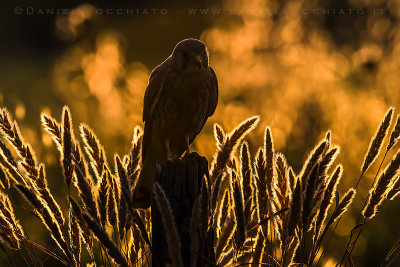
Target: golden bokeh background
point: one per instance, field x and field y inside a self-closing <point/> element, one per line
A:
<point x="305" y="66"/>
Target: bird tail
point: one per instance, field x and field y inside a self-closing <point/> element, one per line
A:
<point x="144" y="187"/>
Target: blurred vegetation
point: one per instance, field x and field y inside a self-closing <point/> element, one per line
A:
<point x="303" y="73"/>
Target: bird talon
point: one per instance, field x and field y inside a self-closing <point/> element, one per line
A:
<point x="175" y="156"/>
<point x="187" y="145"/>
<point x="169" y="153"/>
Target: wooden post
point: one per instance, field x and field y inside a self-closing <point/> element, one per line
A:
<point x="181" y="180"/>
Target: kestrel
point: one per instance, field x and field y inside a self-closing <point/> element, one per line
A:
<point x="182" y="93"/>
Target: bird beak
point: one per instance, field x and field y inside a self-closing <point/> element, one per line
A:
<point x="199" y="61"/>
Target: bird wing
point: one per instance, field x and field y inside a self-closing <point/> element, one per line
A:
<point x="155" y="88"/>
<point x="212" y="101"/>
<point x="152" y="95"/>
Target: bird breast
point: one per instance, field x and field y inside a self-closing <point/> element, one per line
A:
<point x="185" y="104"/>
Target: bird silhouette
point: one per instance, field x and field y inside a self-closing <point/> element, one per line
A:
<point x="181" y="94"/>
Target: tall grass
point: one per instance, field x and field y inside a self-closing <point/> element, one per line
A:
<point x="261" y="211"/>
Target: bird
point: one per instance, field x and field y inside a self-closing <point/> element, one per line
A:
<point x="182" y="93"/>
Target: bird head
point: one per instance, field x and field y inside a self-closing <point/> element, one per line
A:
<point x="190" y="55"/>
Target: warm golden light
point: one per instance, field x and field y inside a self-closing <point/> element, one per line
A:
<point x="304" y="72"/>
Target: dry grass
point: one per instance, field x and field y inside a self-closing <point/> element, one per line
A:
<point x="260" y="210"/>
<point x="174" y="244"/>
<point x="378" y="193"/>
<point x="377" y="141"/>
